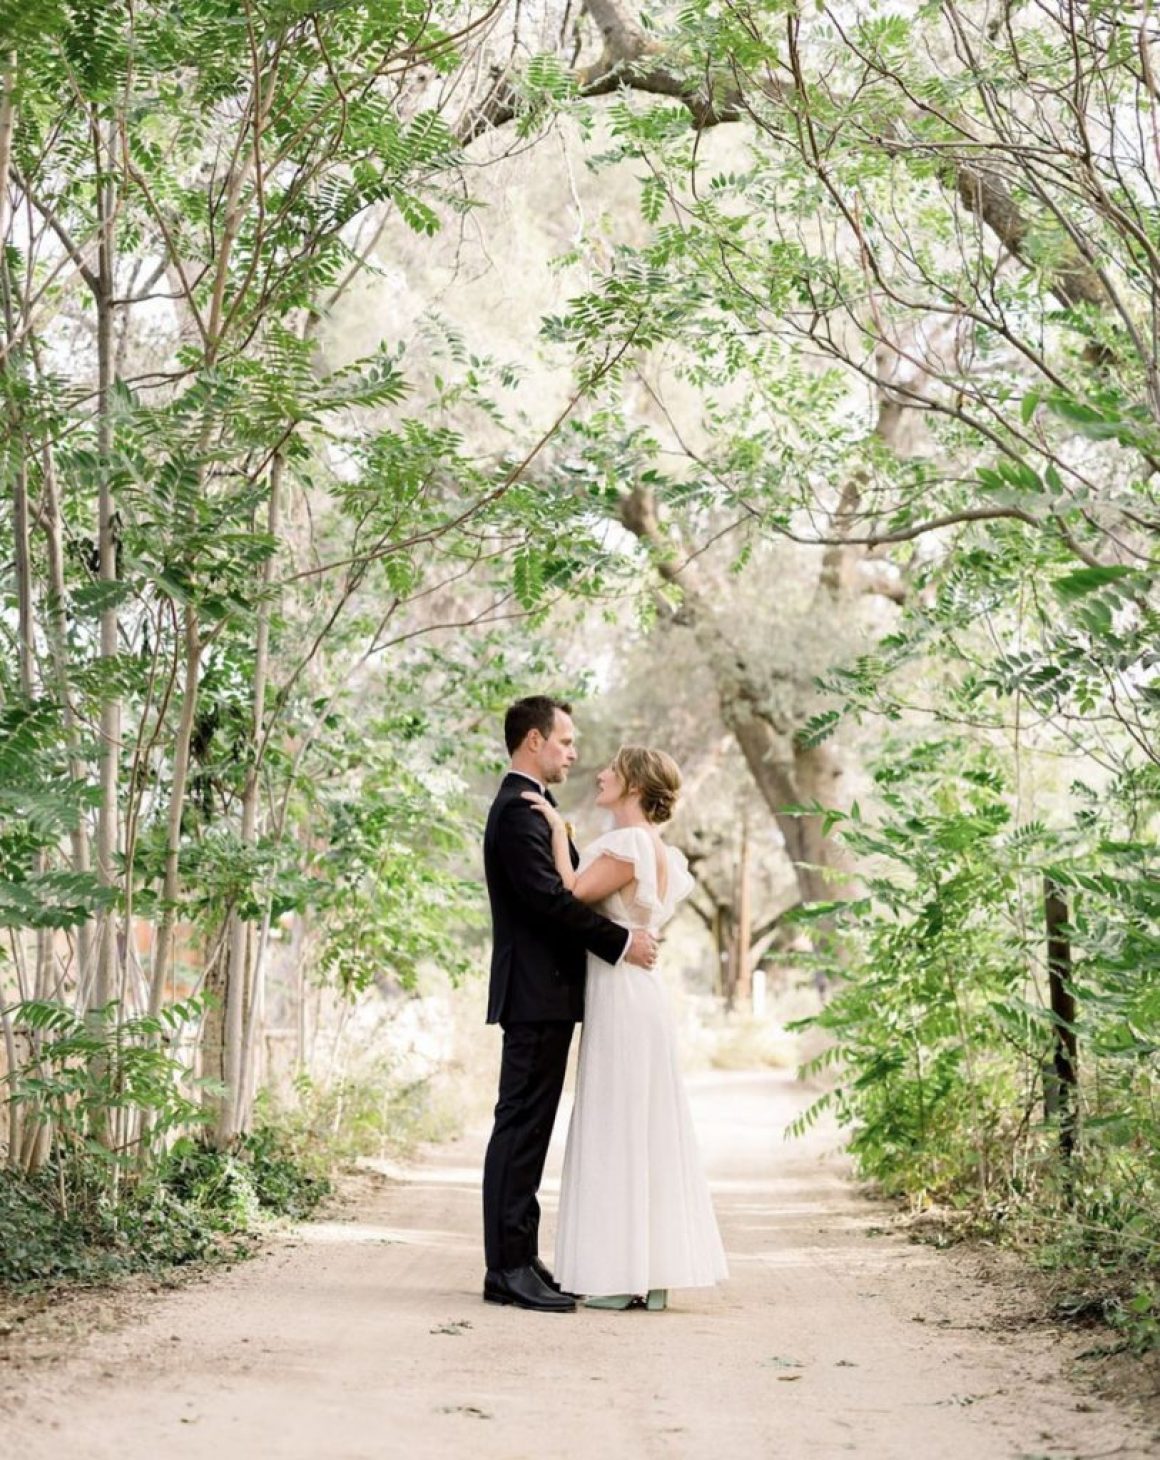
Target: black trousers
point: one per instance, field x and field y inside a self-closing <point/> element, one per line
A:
<point x="531" y="1077"/>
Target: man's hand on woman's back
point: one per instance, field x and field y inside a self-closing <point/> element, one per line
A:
<point x="642" y="948"/>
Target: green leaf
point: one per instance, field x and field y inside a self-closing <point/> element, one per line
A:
<point x="1087" y="580"/>
<point x="817" y="729"/>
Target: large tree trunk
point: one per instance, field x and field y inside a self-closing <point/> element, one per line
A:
<point x="787" y="770"/>
<point x="766" y="742"/>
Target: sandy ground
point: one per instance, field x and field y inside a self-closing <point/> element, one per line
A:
<point x="367" y="1338"/>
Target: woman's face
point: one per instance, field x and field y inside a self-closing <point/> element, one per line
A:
<point x="609" y="787"/>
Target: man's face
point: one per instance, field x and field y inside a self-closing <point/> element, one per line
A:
<point x="557" y="754"/>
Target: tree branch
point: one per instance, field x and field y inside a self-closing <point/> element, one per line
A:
<point x="632" y="61"/>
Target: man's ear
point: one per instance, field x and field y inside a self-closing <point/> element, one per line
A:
<point x="534" y="740"/>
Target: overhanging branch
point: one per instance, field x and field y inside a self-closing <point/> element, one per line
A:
<point x="633" y="61"/>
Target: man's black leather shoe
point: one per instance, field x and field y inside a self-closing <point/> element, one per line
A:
<point x="523" y="1287"/>
<point x="546" y="1277"/>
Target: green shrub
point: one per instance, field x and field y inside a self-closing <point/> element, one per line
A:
<point x="36" y="1241"/>
<point x="95" y="1240"/>
<point x="263" y="1176"/>
<point x="369" y="1113"/>
<point x="943" y="1040"/>
<point x="194" y="1204"/>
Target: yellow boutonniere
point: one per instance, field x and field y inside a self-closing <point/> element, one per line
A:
<point x="571" y="830"/>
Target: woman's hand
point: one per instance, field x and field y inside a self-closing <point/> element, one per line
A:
<point x="547" y="810"/>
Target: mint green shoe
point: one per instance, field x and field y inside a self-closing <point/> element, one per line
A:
<point x="657" y="1300"/>
<point x="615" y="1301"/>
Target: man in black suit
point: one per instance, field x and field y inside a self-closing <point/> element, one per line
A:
<point x="542" y="935"/>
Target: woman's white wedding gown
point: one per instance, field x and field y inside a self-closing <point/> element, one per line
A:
<point x="635" y="1211"/>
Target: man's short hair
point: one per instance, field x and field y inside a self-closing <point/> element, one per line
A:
<point x="536" y="712"/>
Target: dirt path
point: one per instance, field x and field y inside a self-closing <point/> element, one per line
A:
<point x="367" y="1338"/>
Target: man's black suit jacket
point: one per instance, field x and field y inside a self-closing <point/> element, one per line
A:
<point x="541" y="932"/>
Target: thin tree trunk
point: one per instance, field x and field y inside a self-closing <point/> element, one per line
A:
<point x="211" y="1044"/>
<point x="24" y="1137"/>
<point x="255" y="1017"/>
<point x="15" y="1131"/>
<point x="233" y="1027"/>
<point x="15" y="454"/>
<point x="26" y="655"/>
<point x="228" y="1028"/>
<point x="104" y="981"/>
<point x="7" y="127"/>
<point x="297" y="940"/>
<point x="110" y="723"/>
<point x="56" y="627"/>
<point x="1062" y="1085"/>
<point x="25" y="630"/>
<point x="243" y="955"/>
<point x="42" y="985"/>
<point x="171" y="885"/>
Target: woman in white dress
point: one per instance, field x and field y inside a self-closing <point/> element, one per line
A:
<point x="635" y="1214"/>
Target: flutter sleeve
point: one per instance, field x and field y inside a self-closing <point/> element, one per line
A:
<point x="681" y="881"/>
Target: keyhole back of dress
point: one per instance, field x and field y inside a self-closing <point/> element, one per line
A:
<point x="662" y="866"/>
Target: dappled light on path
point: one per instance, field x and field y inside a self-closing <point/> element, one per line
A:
<point x="323" y="1233"/>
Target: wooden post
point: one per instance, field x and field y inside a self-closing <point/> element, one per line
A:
<point x="724" y="924"/>
<point x="721" y="971"/>
<point x="1061" y="1086"/>
<point x="744" y="981"/>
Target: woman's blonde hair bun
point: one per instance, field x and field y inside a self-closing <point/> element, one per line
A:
<point x="653" y="775"/>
